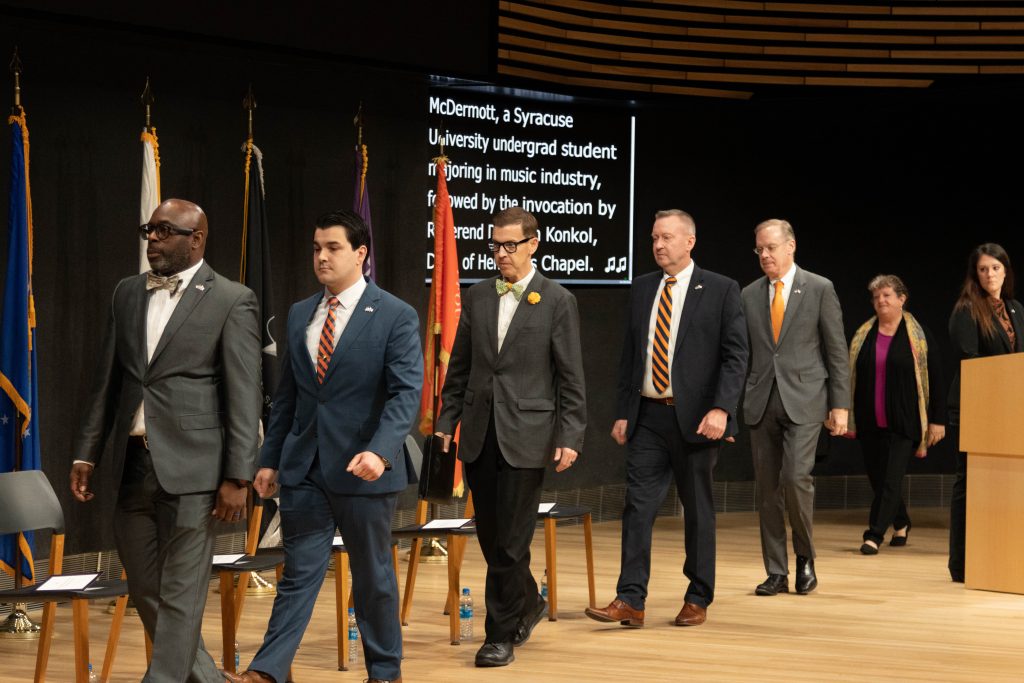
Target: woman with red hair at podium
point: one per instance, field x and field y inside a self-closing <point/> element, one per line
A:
<point x="986" y="321"/>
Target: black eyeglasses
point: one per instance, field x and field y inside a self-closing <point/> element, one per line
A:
<point x="163" y="230"/>
<point x="510" y="247"/>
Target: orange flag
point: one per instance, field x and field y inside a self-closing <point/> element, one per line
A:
<point x="443" y="312"/>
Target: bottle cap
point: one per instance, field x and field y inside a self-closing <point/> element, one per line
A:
<point x="465" y="591"/>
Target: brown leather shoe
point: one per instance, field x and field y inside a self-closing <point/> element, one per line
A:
<point x="383" y="680"/>
<point x="617" y="611"/>
<point x="247" y="677"/>
<point x="691" y="615"/>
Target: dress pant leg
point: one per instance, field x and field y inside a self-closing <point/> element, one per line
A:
<point x="872" y="446"/>
<point x="506" y="500"/>
<point x="647" y="482"/>
<point x="165" y="542"/>
<point x="365" y="523"/>
<point x="958" y="510"/>
<point x="898" y="450"/>
<point x="766" y="439"/>
<point x="694" y="466"/>
<point x="307" y="528"/>
<point x="799" y="445"/>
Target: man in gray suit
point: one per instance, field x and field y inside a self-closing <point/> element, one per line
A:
<point x="515" y="381"/>
<point x="178" y="393"/>
<point x="798" y="378"/>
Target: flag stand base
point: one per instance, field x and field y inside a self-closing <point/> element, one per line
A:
<point x="129" y="608"/>
<point x="257" y="586"/>
<point x="433" y="552"/>
<point x="18" y="625"/>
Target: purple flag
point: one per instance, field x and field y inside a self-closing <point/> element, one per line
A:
<point x="361" y="206"/>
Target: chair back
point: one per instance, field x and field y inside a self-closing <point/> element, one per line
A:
<point x="28" y="503"/>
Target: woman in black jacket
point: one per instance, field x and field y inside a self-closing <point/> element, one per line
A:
<point x="899" y="405"/>
<point x="986" y="321"/>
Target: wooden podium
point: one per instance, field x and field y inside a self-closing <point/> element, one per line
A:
<point x="992" y="435"/>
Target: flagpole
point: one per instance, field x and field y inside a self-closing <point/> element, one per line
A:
<point x="17" y="624"/>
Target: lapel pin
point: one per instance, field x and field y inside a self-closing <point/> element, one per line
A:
<point x="797" y="291"/>
<point x="368" y="309"/>
<point x="699" y="287"/>
<point x="201" y="288"/>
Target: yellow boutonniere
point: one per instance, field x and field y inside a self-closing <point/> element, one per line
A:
<point x="533" y="298"/>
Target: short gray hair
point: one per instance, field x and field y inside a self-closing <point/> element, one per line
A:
<point x="880" y="281"/>
<point x="780" y="223"/>
<point x="682" y="215"/>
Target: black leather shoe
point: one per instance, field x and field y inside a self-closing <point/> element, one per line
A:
<point x="867" y="549"/>
<point x="806" y="581"/>
<point x="495" y="654"/>
<point x="529" y="621"/>
<point x="773" y="585"/>
<point x="900" y="541"/>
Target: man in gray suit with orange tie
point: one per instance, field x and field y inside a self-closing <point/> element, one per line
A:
<point x="348" y="394"/>
<point x="515" y="381"/>
<point x="178" y="393"/>
<point x="799" y="378"/>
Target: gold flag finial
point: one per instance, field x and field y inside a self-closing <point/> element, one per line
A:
<point x="358" y="123"/>
<point x="249" y="104"/>
<point x="147" y="100"/>
<point x="16" y="69"/>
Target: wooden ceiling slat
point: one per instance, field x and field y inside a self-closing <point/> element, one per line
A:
<point x="980" y="40"/>
<point x="691" y="46"/>
<point x="914" y="68"/>
<point x="826" y="9"/>
<point x="1002" y="26"/>
<point x="870" y="82"/>
<point x="869" y="38"/>
<point x="802" y="22"/>
<point x="863" y="53"/>
<point x="607" y="39"/>
<point x="1002" y="68"/>
<point x="971" y="9"/>
<point x="532" y="27"/>
<point x="902" y="25"/>
<point x="783" y="65"/>
<point x="552" y="15"/>
<point x="565" y="48"/>
<point x="724" y="77"/>
<point x="738" y="34"/>
<point x="706" y="92"/>
<point x="716" y="4"/>
<point x="573" y="80"/>
<point x="959" y="54"/>
<point x="682" y="60"/>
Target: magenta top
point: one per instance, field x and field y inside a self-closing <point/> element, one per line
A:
<point x="881" y="353"/>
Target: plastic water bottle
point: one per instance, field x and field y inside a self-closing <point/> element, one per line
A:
<point x="544" y="585"/>
<point x="237" y="656"/>
<point x="93" y="676"/>
<point x="353" y="637"/>
<point x="466" y="615"/>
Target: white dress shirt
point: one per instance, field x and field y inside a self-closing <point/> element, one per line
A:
<point x="787" y="286"/>
<point x="158" y="312"/>
<point x="347" y="300"/>
<point x="678" y="299"/>
<point x="507" y="305"/>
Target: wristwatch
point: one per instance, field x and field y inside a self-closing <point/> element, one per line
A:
<point x="387" y="463"/>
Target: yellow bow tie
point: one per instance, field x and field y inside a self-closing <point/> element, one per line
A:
<point x="503" y="287"/>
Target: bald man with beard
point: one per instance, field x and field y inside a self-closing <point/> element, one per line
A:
<point x="177" y="391"/>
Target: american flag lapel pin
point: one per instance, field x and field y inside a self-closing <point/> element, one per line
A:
<point x="368" y="309"/>
<point x="699" y="287"/>
<point x="201" y="288"/>
<point x="797" y="291"/>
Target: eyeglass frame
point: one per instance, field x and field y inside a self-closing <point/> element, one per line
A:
<point x="169" y="228"/>
<point x="509" y="247"/>
<point x="771" y="248"/>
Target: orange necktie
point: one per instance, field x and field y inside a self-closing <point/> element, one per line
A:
<point x="326" y="347"/>
<point x="778" y="311"/>
<point x="662" y="334"/>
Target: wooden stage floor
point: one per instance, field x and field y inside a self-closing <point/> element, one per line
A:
<point x="895" y="617"/>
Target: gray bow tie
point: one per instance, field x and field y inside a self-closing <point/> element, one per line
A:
<point x="170" y="283"/>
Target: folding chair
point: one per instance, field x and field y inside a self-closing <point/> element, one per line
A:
<point x="31" y="505"/>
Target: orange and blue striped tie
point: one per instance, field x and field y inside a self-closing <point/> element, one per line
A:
<point x="326" y="348"/>
<point x="662" y="334"/>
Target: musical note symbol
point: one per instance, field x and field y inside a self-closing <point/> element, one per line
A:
<point x="622" y="264"/>
<point x="611" y="264"/>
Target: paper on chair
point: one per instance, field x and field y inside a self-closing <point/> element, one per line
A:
<point x="446" y="523"/>
<point x="228" y="559"/>
<point x="67" y="582"/>
<point x="338" y="542"/>
<point x="545" y="508"/>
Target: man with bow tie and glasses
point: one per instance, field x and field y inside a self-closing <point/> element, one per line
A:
<point x="515" y="382"/>
<point x="178" y="393"/>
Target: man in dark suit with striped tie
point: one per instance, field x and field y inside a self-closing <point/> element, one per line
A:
<point x="684" y="359"/>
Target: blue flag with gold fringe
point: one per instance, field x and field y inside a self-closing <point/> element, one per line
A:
<point x="19" y="401"/>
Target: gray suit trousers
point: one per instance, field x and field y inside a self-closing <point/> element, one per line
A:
<point x="783" y="454"/>
<point x="166" y="545"/>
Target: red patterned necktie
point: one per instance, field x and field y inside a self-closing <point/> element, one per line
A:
<point x="662" y="334"/>
<point x="326" y="347"/>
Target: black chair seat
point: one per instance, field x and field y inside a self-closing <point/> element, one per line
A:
<point x="418" y="531"/>
<point x="110" y="588"/>
<point x="564" y="512"/>
<point x="254" y="563"/>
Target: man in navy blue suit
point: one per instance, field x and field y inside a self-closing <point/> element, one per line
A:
<point x="348" y="394"/>
<point x="683" y="364"/>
